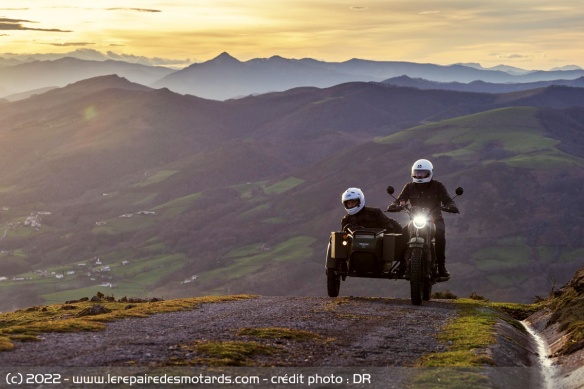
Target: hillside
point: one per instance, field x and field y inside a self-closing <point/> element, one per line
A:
<point x="28" y="76"/>
<point x="108" y="182"/>
<point x="479" y="86"/>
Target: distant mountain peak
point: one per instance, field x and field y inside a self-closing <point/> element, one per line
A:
<point x="224" y="58"/>
<point x="567" y="68"/>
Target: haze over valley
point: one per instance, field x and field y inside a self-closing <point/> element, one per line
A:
<point x="225" y="176"/>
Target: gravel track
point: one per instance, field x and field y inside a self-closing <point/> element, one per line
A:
<point x="353" y="332"/>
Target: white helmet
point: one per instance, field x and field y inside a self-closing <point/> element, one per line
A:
<point x="353" y="194"/>
<point x="422" y="171"/>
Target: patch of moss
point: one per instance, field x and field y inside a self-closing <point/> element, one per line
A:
<point x="231" y="353"/>
<point x="279" y="333"/>
<point x="6" y="344"/>
<point x="467" y="338"/>
<point x="568" y="307"/>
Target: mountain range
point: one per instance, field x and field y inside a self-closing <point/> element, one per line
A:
<point x="225" y="77"/>
<point x="108" y="183"/>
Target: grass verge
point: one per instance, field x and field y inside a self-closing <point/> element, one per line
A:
<point x="27" y="324"/>
<point x="467" y="338"/>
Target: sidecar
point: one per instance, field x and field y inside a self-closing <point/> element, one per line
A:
<point x="370" y="253"/>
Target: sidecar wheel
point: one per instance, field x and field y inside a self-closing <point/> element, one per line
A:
<point x="333" y="283"/>
<point x="416" y="276"/>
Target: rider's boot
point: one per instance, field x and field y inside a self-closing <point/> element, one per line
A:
<point x="442" y="272"/>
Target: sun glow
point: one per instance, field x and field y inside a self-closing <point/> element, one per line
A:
<point x="418" y="31"/>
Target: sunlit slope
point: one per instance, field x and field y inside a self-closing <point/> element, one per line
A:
<point x="517" y="232"/>
<point x="514" y="136"/>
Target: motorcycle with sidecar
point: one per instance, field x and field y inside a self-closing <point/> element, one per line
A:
<point x="373" y="253"/>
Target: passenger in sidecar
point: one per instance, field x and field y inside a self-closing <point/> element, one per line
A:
<point x="368" y="245"/>
<point x="358" y="215"/>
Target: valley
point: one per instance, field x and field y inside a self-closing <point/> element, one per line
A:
<point x="183" y="196"/>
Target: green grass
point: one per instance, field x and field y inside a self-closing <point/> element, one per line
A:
<point x="176" y="206"/>
<point x="27" y="324"/>
<point x="546" y="160"/>
<point x="274" y="220"/>
<point x="135" y="278"/>
<point x="156" y="178"/>
<point x="515" y="130"/>
<point x="501" y="257"/>
<point x="572" y="255"/>
<point x="507" y="281"/>
<point x="247" y="260"/>
<point x="246" y="190"/>
<point x="245" y="251"/>
<point x="250" y="214"/>
<point x="230" y="353"/>
<point x="137" y="222"/>
<point x="467" y="336"/>
<point x="283" y="186"/>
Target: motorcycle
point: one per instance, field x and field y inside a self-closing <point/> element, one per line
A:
<point x="420" y="256"/>
<point x="373" y="253"/>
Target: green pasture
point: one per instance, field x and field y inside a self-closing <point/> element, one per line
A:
<point x="177" y="206"/>
<point x="247" y="190"/>
<point x="274" y="220"/>
<point x="248" y="259"/>
<point x="515" y="130"/>
<point x="249" y="214"/>
<point x="128" y="289"/>
<point x="118" y="200"/>
<point x="501" y="257"/>
<point x="283" y="186"/>
<point x="132" y="280"/>
<point x="507" y="281"/>
<point x="156" y="178"/>
<point x="136" y="267"/>
<point x="138" y="222"/>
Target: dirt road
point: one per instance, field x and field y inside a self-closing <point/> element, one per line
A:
<point x="344" y="342"/>
<point x="351" y="332"/>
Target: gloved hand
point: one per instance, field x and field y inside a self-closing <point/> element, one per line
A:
<point x="452" y="209"/>
<point x="394" y="208"/>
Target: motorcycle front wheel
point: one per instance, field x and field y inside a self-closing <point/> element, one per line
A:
<point x="416" y="276"/>
<point x="426" y="289"/>
<point x="333" y="283"/>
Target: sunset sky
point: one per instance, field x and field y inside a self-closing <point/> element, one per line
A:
<point x="531" y="34"/>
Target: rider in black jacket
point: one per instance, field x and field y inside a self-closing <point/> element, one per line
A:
<point x="425" y="192"/>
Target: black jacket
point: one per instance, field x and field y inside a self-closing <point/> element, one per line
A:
<point x="428" y="195"/>
<point x="370" y="217"/>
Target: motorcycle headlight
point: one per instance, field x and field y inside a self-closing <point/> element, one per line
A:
<point x="420" y="221"/>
